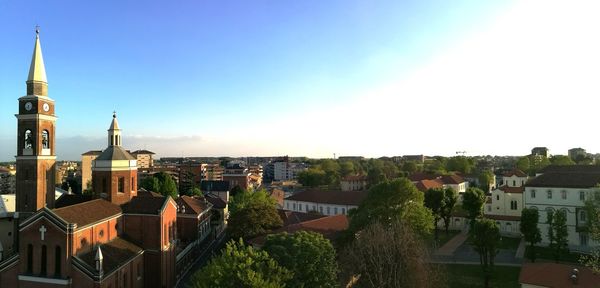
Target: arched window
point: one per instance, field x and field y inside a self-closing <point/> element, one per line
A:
<point x="43" y="261"/>
<point x="45" y="140"/>
<point x="57" y="261"/>
<point x="29" y="258"/>
<point x="28" y="139"/>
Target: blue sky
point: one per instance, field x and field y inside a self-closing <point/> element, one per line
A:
<point x="212" y="78"/>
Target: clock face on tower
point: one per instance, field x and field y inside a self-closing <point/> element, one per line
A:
<point x="28" y="106"/>
<point x="46" y="107"/>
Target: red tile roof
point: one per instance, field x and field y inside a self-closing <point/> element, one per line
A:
<point x="515" y="172"/>
<point x="88" y="212"/>
<point x="507" y="189"/>
<point x="328" y="226"/>
<point x="557" y="275"/>
<point x="193" y="205"/>
<point x="426" y="184"/>
<point x="144" y="205"/>
<point x="330" y="197"/>
<point x="292" y="217"/>
<point x="421" y="176"/>
<point x="452" y="179"/>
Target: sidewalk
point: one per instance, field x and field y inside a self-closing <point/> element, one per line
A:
<point x="521" y="250"/>
<point x="451" y="246"/>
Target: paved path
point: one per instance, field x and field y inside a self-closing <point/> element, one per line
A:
<point x="474" y="263"/>
<point x="453" y="244"/>
<point x="521" y="250"/>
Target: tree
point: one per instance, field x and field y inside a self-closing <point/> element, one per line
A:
<point x="561" y="235"/>
<point x="252" y="214"/>
<point x="311" y="177"/>
<point x="550" y="221"/>
<point x="592" y="214"/>
<point x="473" y="201"/>
<point x="530" y="230"/>
<point x="461" y="164"/>
<point x="485" y="237"/>
<point x="485" y="179"/>
<point x="162" y="183"/>
<point x="393" y="201"/>
<point x="388" y="255"/>
<point x="410" y="167"/>
<point x="524" y="164"/>
<point x="347" y="168"/>
<point x="561" y="160"/>
<point x="241" y="266"/>
<point x="332" y="171"/>
<point x="308" y="255"/>
<point x="450" y="199"/>
<point x="434" y="200"/>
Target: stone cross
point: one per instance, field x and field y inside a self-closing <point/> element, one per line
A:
<point x="43" y="231"/>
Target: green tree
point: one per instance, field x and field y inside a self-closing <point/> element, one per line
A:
<point x="530" y="229"/>
<point x="375" y="176"/>
<point x="167" y="184"/>
<point x="592" y="214"/>
<point x="332" y="171"/>
<point x="461" y="164"/>
<point x="524" y="164"/>
<point x="308" y="255"/>
<point x="473" y="201"/>
<point x="434" y="200"/>
<point x="561" y="235"/>
<point x="410" y="167"/>
<point x="486" y="177"/>
<point x="561" y="160"/>
<point x="252" y="214"/>
<point x="388" y="255"/>
<point x="450" y="199"/>
<point x="241" y="266"/>
<point x="550" y="222"/>
<point x="393" y="201"/>
<point x="485" y="237"/>
<point x="312" y="177"/>
<point x="347" y="168"/>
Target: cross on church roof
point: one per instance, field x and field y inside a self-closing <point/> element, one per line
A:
<point x="37" y="29"/>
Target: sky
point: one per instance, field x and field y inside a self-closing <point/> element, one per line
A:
<point x="309" y="78"/>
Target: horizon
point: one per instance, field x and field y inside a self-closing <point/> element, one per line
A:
<point x="310" y="78"/>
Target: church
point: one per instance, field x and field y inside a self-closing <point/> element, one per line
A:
<point x="121" y="236"/>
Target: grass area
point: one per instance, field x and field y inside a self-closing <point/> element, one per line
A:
<point x="443" y="238"/>
<point x="466" y="276"/>
<point x="546" y="253"/>
<point x="509" y="243"/>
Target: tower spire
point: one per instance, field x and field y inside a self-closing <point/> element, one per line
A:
<point x="114" y="132"/>
<point x="37" y="71"/>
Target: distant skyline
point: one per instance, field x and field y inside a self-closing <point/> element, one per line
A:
<point x="309" y="78"/>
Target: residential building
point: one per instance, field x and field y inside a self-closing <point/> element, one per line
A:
<point x="540" y="151"/>
<point x="144" y="158"/>
<point x="326" y="202"/>
<point x="353" y="183"/>
<point x="216" y="188"/>
<point x="577" y="153"/>
<point x="237" y="175"/>
<point x="564" y="189"/>
<point x="7" y="225"/>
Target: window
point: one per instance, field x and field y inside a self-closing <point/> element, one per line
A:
<point x="549" y="214"/>
<point x="299" y="206"/>
<point x="132" y="184"/>
<point x="321" y="209"/>
<point x="582" y="195"/>
<point x="43" y="261"/>
<point x="29" y="258"/>
<point x="549" y="194"/>
<point x="121" y="185"/>
<point x="563" y="194"/>
<point x="101" y="233"/>
<point x="497" y="197"/>
<point x="104" y="185"/>
<point x="328" y="210"/>
<point x="45" y="140"/>
<point x="57" y="261"/>
<point x="28" y="139"/>
<point x="335" y="210"/>
<point x="344" y="211"/>
<point x="513" y="205"/>
<point x="294" y="206"/>
<point x="514" y="183"/>
<point x="583" y="239"/>
<point x="582" y="216"/>
<point x="532" y="193"/>
<point x="306" y="207"/>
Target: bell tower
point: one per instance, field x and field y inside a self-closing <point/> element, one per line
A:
<point x="36" y="155"/>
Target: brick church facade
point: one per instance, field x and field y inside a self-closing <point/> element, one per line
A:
<point x="121" y="236"/>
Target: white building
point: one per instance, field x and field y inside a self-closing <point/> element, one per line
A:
<point x="353" y="183"/>
<point x="505" y="203"/>
<point x="285" y="170"/>
<point x="325" y="202"/>
<point x="564" y="189"/>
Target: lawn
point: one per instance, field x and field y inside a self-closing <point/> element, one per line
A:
<point x="547" y="254"/>
<point x="466" y="276"/>
<point x="443" y="238"/>
<point x="509" y="243"/>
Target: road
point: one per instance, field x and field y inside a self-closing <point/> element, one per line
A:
<point x="216" y="245"/>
